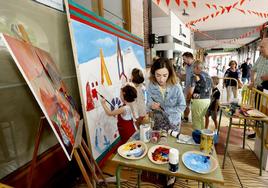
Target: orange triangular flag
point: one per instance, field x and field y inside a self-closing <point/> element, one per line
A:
<point x="228" y="8"/>
<point x="194" y="4"/>
<point x="212" y="15"/>
<point x="167" y="1"/>
<point x="205" y="18"/>
<point x="185" y="3"/>
<point x="222" y="9"/>
<point x="208" y="5"/>
<point x="241" y="2"/>
<point x="234" y="5"/>
<point x="158" y="1"/>
<point x="178" y="2"/>
<point x="241" y="10"/>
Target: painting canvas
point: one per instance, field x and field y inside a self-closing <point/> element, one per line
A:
<point x="43" y="78"/>
<point x="105" y="55"/>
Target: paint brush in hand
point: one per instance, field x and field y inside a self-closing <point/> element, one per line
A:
<point x="104" y="98"/>
<point x="159" y="106"/>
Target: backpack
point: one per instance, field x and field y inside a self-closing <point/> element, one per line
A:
<point x="204" y="86"/>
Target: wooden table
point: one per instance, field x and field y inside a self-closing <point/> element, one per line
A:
<point x="259" y="124"/>
<point x="183" y="172"/>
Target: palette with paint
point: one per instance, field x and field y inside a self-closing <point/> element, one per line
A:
<point x="158" y="154"/>
<point x="199" y="162"/>
<point x="133" y="150"/>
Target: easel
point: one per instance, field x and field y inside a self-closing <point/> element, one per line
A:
<point x="80" y="145"/>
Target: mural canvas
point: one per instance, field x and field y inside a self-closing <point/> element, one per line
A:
<point x="105" y="56"/>
<point x="43" y="78"/>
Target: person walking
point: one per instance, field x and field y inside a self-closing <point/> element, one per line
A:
<point x="188" y="60"/>
<point x="245" y="69"/>
<point x="259" y="72"/>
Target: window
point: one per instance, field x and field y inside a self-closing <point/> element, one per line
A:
<point x="113" y="11"/>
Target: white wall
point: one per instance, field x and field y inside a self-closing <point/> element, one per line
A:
<point x="161" y="26"/>
<point x="175" y="29"/>
<point x="137" y="18"/>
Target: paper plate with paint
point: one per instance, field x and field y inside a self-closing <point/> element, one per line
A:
<point x="159" y="154"/>
<point x="199" y="162"/>
<point x="133" y="150"/>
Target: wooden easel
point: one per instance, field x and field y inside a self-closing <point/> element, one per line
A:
<point x="80" y="145"/>
<point x="81" y="151"/>
<point x="36" y="147"/>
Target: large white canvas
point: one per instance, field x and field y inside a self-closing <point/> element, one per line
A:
<point x="89" y="40"/>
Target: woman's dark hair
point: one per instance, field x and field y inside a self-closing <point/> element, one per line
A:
<point x="163" y="63"/>
<point x="231" y="62"/>
<point x="129" y="93"/>
<point x="188" y="55"/>
<point x="137" y="76"/>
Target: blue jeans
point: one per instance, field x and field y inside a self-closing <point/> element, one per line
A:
<point x="245" y="80"/>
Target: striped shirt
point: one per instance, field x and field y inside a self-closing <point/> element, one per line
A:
<point x="260" y="68"/>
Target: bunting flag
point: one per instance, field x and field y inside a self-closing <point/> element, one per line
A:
<point x="208" y="5"/>
<point x="222" y="9"/>
<point x="158" y="1"/>
<point x="241" y="2"/>
<point x="178" y="2"/>
<point x="167" y="1"/>
<point x="186" y="3"/>
<point x="228" y="8"/>
<point x="194" y="4"/>
<point x="217" y="13"/>
<point x="243" y="11"/>
<point x="214" y="6"/>
<point x="234" y="5"/>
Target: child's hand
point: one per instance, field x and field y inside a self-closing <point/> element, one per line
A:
<point x="155" y="106"/>
<point x="103" y="101"/>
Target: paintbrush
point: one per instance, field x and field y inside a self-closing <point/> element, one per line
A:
<point x="159" y="106"/>
<point x="104" y="98"/>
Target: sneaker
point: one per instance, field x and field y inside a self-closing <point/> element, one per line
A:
<point x="170" y="181"/>
<point x="252" y="136"/>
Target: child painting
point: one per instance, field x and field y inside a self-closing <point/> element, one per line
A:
<point x="125" y="113"/>
<point x="214" y="104"/>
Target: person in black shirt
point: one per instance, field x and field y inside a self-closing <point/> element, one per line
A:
<point x="246" y="68"/>
<point x="230" y="84"/>
<point x="214" y="104"/>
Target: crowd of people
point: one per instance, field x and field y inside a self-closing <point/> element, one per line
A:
<point x="164" y="95"/>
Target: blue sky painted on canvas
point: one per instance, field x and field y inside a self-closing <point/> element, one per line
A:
<point x="89" y="41"/>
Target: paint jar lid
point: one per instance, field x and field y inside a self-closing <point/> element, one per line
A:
<point x="173" y="156"/>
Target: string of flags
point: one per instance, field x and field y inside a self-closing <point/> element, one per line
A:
<point x="231" y="41"/>
<point x="188" y="3"/>
<point x="219" y="10"/>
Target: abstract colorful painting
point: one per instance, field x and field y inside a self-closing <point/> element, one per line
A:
<point x="45" y="82"/>
<point x="105" y="55"/>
